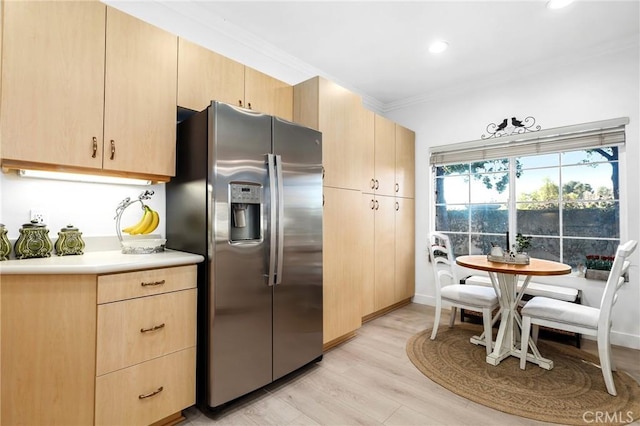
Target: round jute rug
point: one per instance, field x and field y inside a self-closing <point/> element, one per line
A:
<point x="571" y="393"/>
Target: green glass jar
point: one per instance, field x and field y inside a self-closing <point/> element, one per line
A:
<point x="69" y="241"/>
<point x="33" y="241"/>
<point x="5" y="245"/>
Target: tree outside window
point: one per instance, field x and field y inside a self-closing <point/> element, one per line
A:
<point x="567" y="202"/>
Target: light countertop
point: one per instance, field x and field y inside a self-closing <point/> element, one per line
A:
<point x="97" y="262"/>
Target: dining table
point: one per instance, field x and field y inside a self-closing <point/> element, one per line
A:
<point x="506" y="280"/>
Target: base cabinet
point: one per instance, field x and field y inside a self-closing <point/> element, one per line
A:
<point x="128" y="359"/>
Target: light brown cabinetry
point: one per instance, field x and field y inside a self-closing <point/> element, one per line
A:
<point x="67" y="103"/>
<point x="128" y="359"/>
<point x="204" y="75"/>
<point x="346" y="126"/>
<point x="146" y="339"/>
<point x="405" y="169"/>
<point x="388" y="252"/>
<point x="342" y="263"/>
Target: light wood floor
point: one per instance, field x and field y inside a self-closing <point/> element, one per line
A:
<point x="369" y="380"/>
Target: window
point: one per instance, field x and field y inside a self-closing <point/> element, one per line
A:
<point x="566" y="200"/>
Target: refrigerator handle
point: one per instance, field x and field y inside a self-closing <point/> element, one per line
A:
<point x="272" y="220"/>
<point x="280" y="219"/>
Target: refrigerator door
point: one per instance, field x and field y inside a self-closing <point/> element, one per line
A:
<point x="240" y="347"/>
<point x="297" y="300"/>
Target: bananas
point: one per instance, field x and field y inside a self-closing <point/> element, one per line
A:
<point x="147" y="224"/>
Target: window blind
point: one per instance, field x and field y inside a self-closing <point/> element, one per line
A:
<point x="559" y="139"/>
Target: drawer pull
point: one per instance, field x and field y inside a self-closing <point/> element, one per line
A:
<point x="154" y="328"/>
<point x="143" y="284"/>
<point x="150" y="394"/>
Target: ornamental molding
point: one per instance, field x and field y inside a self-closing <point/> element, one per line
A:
<point x="512" y="126"/>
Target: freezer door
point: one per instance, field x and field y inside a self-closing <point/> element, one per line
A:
<point x="240" y="319"/>
<point x="297" y="302"/>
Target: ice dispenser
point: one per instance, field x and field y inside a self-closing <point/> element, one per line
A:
<point x="246" y="203"/>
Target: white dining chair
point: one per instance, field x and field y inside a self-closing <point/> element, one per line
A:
<point x="582" y="319"/>
<point x="450" y="291"/>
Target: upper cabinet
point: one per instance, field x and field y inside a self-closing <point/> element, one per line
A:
<point x="405" y="162"/>
<point x="346" y="126"/>
<point x="53" y="82"/>
<point x="69" y="104"/>
<point x="389" y="167"/>
<point x="204" y="75"/>
<point x="140" y="96"/>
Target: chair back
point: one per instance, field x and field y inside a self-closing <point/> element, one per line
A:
<point x="614" y="282"/>
<point x="443" y="261"/>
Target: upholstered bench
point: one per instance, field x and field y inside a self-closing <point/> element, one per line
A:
<point x="533" y="289"/>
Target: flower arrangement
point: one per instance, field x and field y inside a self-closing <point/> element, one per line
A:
<point x="522" y="243"/>
<point x="601" y="263"/>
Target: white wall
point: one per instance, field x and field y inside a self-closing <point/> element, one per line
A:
<point x="89" y="206"/>
<point x="600" y="88"/>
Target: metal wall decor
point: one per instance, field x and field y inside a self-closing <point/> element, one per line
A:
<point x="511" y="126"/>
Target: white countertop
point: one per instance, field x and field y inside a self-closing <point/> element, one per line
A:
<point x="97" y="262"/>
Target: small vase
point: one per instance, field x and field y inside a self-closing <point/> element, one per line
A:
<point x="5" y="245"/>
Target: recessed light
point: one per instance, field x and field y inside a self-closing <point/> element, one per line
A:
<point x="558" y="4"/>
<point x="438" y="46"/>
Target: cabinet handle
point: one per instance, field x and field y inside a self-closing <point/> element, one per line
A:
<point x="377" y="205"/>
<point x="150" y="394"/>
<point x="154" y="328"/>
<point x="397" y="206"/>
<point x="113" y="149"/>
<point x="397" y="187"/>
<point x="373" y="184"/>
<point x="249" y="105"/>
<point x="143" y="284"/>
<point x="239" y="102"/>
<point x="377" y="184"/>
<point x="372" y="204"/>
<point x="322" y="172"/>
<point x="95" y="147"/>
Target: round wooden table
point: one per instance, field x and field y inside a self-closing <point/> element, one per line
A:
<point x="504" y="277"/>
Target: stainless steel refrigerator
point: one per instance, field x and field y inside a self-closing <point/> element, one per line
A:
<point x="248" y="196"/>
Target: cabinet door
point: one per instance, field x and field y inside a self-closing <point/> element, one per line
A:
<point x="367" y="216"/>
<point x="53" y="82"/>
<point x="342" y="262"/>
<point x="346" y="127"/>
<point x="405" y="162"/>
<point x="48" y="349"/>
<point x="204" y="75"/>
<point x="405" y="248"/>
<point x="385" y="242"/>
<point x="266" y="94"/>
<point x="385" y="156"/>
<point x="140" y="96"/>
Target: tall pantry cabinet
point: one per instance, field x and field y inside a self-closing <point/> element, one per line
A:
<point x="87" y="88"/>
<point x="368" y="206"/>
<point x="346" y="126"/>
<point x="389" y="261"/>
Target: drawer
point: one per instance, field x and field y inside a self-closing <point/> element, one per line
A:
<point x="137" y="330"/>
<point x="129" y="285"/>
<point x="147" y="392"/>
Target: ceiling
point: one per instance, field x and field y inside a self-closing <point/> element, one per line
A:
<point x="379" y="48"/>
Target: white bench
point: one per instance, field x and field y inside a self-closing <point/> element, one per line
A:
<point x="533" y="289"/>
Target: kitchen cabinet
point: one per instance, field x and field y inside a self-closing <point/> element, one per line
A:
<point x="98" y="349"/>
<point x="405" y="169"/>
<point x="87" y="88"/>
<point x="342" y="238"/>
<point x="204" y="75"/>
<point x="390" y="160"/>
<point x="388" y="252"/>
<point x="346" y="126"/>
